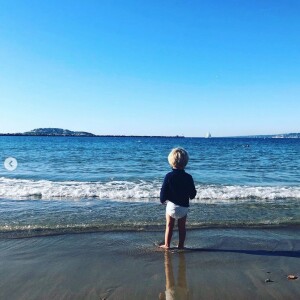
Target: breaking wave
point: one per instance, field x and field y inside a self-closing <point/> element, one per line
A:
<point x="142" y="191"/>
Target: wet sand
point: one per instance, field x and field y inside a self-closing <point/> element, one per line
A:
<point x="218" y="264"/>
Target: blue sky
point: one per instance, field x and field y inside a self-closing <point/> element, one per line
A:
<point x="150" y="67"/>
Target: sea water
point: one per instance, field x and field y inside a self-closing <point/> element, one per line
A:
<point x="84" y="184"/>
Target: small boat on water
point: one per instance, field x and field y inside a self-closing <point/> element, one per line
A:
<point x="208" y="135"/>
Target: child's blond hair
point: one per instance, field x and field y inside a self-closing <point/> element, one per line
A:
<point x="178" y="158"/>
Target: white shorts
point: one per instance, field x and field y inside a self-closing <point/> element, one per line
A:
<point x="176" y="211"/>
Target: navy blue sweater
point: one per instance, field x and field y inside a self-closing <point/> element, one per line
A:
<point x="178" y="187"/>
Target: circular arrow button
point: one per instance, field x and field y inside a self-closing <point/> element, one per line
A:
<point x="10" y="164"/>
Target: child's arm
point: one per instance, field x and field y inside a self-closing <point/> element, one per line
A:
<point x="193" y="191"/>
<point x="164" y="192"/>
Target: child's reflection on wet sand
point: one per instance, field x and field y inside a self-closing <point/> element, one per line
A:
<point x="173" y="290"/>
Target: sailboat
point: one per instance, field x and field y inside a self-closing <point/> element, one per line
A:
<point x="208" y="135"/>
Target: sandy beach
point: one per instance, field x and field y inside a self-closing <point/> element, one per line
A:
<point x="217" y="264"/>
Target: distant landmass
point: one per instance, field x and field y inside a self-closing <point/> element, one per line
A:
<point x="57" y="132"/>
<point x="67" y="132"/>
<point x="274" y="136"/>
<point x="51" y="132"/>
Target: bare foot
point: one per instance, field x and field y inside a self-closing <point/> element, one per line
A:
<point x="164" y="247"/>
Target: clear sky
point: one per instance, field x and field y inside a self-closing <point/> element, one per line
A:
<point x="150" y="67"/>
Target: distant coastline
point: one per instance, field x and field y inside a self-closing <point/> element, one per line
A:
<point x="272" y="136"/>
<point x="59" y="132"/>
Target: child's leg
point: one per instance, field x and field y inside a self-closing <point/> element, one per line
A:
<point x="182" y="232"/>
<point x="169" y="231"/>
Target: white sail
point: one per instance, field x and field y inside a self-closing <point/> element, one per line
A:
<point x="208" y="135"/>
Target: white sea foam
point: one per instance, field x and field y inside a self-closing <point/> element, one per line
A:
<point x="143" y="191"/>
<point x="247" y="192"/>
<point x="134" y="191"/>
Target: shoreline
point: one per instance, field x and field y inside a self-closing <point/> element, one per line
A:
<point x="150" y="229"/>
<point x="41" y="232"/>
<point x="219" y="263"/>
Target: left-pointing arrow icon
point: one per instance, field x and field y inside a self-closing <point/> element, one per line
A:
<point x="10" y="163"/>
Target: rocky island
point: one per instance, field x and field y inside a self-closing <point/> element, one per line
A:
<point x="52" y="132"/>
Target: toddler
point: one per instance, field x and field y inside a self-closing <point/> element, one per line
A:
<point x="177" y="189"/>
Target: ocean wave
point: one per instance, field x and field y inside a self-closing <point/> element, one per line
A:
<point x="143" y="191"/>
<point x="247" y="192"/>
